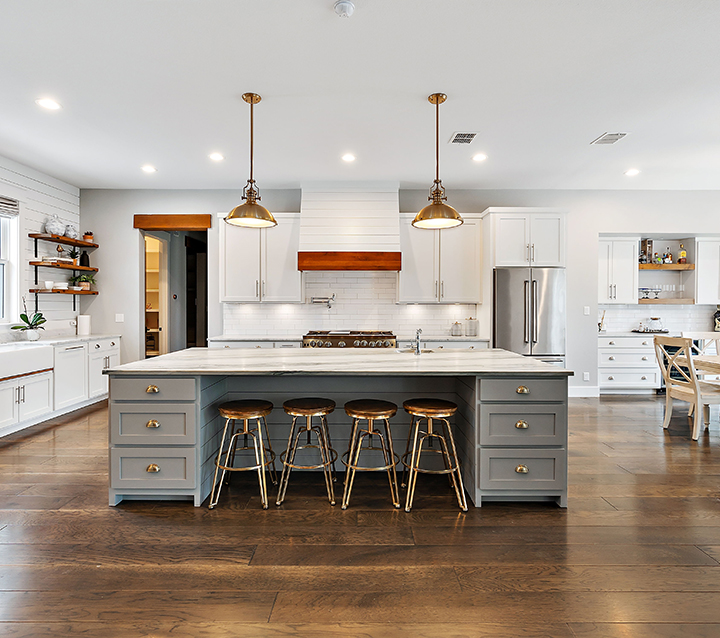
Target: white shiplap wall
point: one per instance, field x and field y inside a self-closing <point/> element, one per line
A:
<point x="40" y="196"/>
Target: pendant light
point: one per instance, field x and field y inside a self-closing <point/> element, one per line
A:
<point x="251" y="214"/>
<point x="437" y="214"/>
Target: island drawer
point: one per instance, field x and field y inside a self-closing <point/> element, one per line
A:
<point x="160" y="424"/>
<point x="525" y="390"/>
<point x="529" y="424"/>
<point x="157" y="468"/>
<point x="515" y="469"/>
<point x="152" y="389"/>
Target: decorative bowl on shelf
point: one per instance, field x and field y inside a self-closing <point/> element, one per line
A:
<point x="60" y="286"/>
<point x="75" y="288"/>
<point x="54" y="226"/>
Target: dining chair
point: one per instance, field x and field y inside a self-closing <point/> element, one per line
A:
<point x="705" y="343"/>
<point x="681" y="381"/>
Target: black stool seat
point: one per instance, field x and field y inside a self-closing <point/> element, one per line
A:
<point x="309" y="406"/>
<point x="245" y="409"/>
<point x="436" y="408"/>
<point x="370" y="409"/>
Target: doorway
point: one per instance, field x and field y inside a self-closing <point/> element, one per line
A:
<point x="156" y="252"/>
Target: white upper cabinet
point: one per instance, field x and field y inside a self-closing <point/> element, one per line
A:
<point x="529" y="239"/>
<point x="707" y="270"/>
<point x="261" y="264"/>
<point x="618" y="271"/>
<point x="440" y="266"/>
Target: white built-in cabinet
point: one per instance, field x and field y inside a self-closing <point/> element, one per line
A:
<point x="707" y="270"/>
<point x="70" y="378"/>
<point x="260" y="264"/>
<point x="103" y="354"/>
<point x="529" y="238"/>
<point x="618" y="271"/>
<point x="25" y="397"/>
<point x="440" y="266"/>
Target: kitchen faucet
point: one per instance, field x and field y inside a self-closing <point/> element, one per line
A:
<point x="417" y="340"/>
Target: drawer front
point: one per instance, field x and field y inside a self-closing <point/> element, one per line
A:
<point x="524" y="425"/>
<point x="141" y="424"/>
<point x="626" y="342"/>
<point x="241" y="344"/>
<point x="288" y="344"/>
<point x="157" y="468"/>
<point x="616" y="358"/>
<point x="505" y="469"/>
<point x="168" y="389"/>
<point x="527" y="390"/>
<point x="629" y="379"/>
<point x="104" y="345"/>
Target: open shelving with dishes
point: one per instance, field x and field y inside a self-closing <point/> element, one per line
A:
<point x="667" y="283"/>
<point x="37" y="263"/>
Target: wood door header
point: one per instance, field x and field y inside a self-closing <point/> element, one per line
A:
<point x="349" y="260"/>
<point x="172" y="222"/>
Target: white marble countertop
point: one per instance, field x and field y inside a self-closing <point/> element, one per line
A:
<point x="56" y="340"/>
<point x="354" y="362"/>
<point x="630" y="333"/>
<point x="233" y="338"/>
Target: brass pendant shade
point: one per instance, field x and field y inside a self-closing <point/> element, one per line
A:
<point x="251" y="214"/>
<point x="438" y="214"/>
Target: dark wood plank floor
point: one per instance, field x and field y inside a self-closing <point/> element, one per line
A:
<point x="636" y="554"/>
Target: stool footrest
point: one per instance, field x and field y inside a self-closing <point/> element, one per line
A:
<point x="309" y="467"/>
<point x="360" y="468"/>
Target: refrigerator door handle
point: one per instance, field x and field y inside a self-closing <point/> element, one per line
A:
<point x="526" y="312"/>
<point x="535" y="311"/>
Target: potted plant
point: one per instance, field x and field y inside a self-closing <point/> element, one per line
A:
<point x="83" y="280"/>
<point x="88" y="236"/>
<point x="31" y="325"/>
<point x="74" y="254"/>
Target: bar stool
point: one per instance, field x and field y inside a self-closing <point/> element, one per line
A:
<point x="431" y="410"/>
<point x="370" y="410"/>
<point x="308" y="408"/>
<point x="244" y="410"/>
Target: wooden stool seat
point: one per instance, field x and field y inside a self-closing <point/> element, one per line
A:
<point x="370" y="409"/>
<point x="245" y="409"/>
<point x="436" y="408"/>
<point x="309" y="406"/>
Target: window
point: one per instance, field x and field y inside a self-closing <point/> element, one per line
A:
<point x="9" y="211"/>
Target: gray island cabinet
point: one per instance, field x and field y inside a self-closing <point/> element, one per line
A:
<point x="510" y="428"/>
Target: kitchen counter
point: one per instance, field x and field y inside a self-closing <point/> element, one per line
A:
<point x="58" y="340"/>
<point x="299" y="338"/>
<point x="510" y="427"/>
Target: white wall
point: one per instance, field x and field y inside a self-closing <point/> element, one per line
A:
<point x="40" y="196"/>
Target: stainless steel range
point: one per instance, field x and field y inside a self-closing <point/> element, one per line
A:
<point x="349" y="339"/>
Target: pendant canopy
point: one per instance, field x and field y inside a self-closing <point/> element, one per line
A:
<point x="250" y="214"/>
<point x="437" y="214"/>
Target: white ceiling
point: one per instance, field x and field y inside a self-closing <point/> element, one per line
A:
<point x="159" y="82"/>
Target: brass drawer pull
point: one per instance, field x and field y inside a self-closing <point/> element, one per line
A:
<point x="153" y="468"/>
<point x="643" y="378"/>
<point x="611" y="343"/>
<point x="152" y="389"/>
<point x="522" y="425"/>
<point x="523" y="389"/>
<point x="152" y="423"/>
<point x="522" y="469"/>
<point x="644" y="358"/>
<point x="611" y="358"/>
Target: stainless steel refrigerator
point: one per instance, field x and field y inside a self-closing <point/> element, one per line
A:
<point x="529" y="312"/>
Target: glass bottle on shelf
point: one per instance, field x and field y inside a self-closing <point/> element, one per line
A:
<point x="682" y="256"/>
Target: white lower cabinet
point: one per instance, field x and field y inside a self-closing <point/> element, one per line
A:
<point x="103" y="354"/>
<point x="627" y="363"/>
<point x="70" y="375"/>
<point x="25" y="398"/>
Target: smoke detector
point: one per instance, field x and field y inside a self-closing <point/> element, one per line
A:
<point x="344" y="8"/>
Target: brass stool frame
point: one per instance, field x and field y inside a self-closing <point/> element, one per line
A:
<point x="327" y="454"/>
<point x="353" y="457"/>
<point x="451" y="461"/>
<point x="261" y="452"/>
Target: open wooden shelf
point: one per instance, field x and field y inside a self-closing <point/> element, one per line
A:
<point x="61" y="239"/>
<point x="666" y="266"/>
<point x="45" y="291"/>
<point x="62" y="266"/>
<point x="675" y="301"/>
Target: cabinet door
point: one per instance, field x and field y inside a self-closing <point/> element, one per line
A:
<point x="707" y="272"/>
<point x="418" y="279"/>
<point x="547" y="239"/>
<point x="512" y="240"/>
<point x="239" y="263"/>
<point x="97" y="381"/>
<point x="37" y="395"/>
<point x="605" y="289"/>
<point x="460" y="263"/>
<point x="70" y="375"/>
<point x="8" y="403"/>
<point x="281" y="280"/>
<point x="625" y="271"/>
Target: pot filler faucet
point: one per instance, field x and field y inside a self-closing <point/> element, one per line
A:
<point x="417" y="340"/>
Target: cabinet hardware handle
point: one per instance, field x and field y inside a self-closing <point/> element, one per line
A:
<point x="112" y="343"/>
<point x="523" y="389"/>
<point x="643" y="378"/>
<point x="74" y="348"/>
<point x="611" y="378"/>
<point x="611" y="343"/>
<point x="645" y="343"/>
<point x="522" y="469"/>
<point x="442" y="289"/>
<point x="97" y="345"/>
<point x="153" y="468"/>
<point x="152" y="423"/>
<point x="152" y="389"/>
<point x="257" y="288"/>
<point x="533" y="253"/>
<point x="436" y="288"/>
<point x="263" y="288"/>
<point x="17" y="398"/>
<point x="611" y="358"/>
<point x="522" y="425"/>
<point x="527" y="252"/>
<point x="22" y="387"/>
<point x="644" y="358"/>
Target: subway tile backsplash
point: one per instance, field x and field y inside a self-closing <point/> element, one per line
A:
<point x="675" y="318"/>
<point x="363" y="300"/>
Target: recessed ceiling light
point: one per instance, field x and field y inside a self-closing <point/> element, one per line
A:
<point x="348" y="157"/>
<point x="148" y="168"/>
<point x="47" y="103"/>
<point x="216" y="157"/>
<point x="480" y="157"/>
<point x="632" y="172"/>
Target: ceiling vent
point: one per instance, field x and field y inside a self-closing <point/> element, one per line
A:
<point x="609" y="138"/>
<point x="462" y="138"/>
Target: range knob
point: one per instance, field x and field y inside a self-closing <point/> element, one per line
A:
<point x="386" y="344"/>
<point x="363" y="343"/>
<point x="312" y="344"/>
<point x="341" y="344"/>
<point x="356" y="343"/>
<point x="372" y="344"/>
<point x="327" y="344"/>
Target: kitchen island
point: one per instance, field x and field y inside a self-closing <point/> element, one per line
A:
<point x="510" y="428"/>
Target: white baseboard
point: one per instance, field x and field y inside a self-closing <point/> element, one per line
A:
<point x="584" y="391"/>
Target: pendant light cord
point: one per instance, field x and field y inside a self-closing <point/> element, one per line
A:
<point x="437" y="141"/>
<point x="252" y="141"/>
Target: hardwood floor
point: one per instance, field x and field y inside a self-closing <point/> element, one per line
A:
<point x="636" y="554"/>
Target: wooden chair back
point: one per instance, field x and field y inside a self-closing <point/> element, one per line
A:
<point x="708" y="341"/>
<point x="678" y="378"/>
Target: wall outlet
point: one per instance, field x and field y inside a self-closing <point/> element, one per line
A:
<point x="586" y="310"/>
<point x="119" y="318"/>
<point x="586" y="376"/>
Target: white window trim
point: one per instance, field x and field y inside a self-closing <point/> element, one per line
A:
<point x="9" y="256"/>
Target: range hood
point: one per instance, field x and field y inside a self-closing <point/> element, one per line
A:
<point x="349" y="228"/>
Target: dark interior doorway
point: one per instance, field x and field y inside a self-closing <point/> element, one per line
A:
<point x="196" y="292"/>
